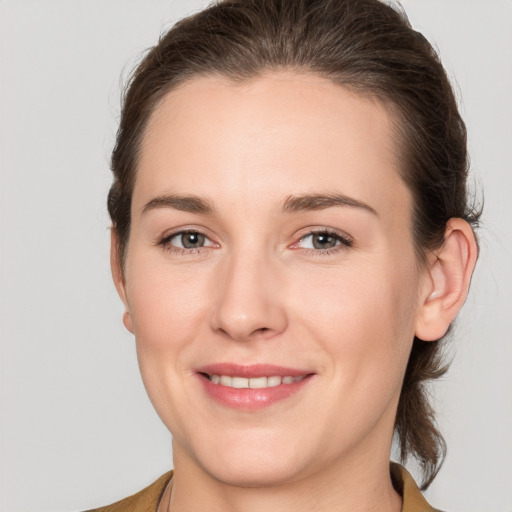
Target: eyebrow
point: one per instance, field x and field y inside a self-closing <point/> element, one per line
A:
<point x="292" y="204"/>
<point x="193" y="204"/>
<point x="311" y="202"/>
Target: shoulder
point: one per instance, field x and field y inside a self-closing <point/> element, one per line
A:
<point x="144" y="501"/>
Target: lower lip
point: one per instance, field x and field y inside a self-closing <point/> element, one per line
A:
<point x="251" y="399"/>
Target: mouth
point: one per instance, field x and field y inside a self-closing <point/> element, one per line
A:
<point x="254" y="382"/>
<point x="251" y="387"/>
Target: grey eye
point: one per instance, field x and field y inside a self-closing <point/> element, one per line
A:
<point x="320" y="241"/>
<point x="324" y="241"/>
<point x="187" y="241"/>
<point x="190" y="240"/>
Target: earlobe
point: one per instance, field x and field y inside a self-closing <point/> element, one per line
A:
<point x="118" y="277"/>
<point x="127" y="321"/>
<point x="448" y="278"/>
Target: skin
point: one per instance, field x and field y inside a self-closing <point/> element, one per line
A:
<point x="259" y="291"/>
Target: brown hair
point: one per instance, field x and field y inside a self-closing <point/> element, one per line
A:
<point x="364" y="45"/>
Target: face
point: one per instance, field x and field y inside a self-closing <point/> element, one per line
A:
<point x="271" y="280"/>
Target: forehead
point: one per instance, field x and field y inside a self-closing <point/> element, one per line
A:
<point x="277" y="131"/>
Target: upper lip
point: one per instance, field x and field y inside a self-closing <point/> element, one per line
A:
<point x="251" y="370"/>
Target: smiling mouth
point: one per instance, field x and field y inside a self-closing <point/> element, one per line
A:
<point x="254" y="382"/>
<point x="252" y="387"/>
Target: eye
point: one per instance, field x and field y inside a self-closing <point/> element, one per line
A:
<point x="323" y="241"/>
<point x="185" y="241"/>
<point x="189" y="240"/>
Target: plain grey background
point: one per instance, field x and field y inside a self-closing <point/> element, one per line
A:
<point x="77" y="428"/>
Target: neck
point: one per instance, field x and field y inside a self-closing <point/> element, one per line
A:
<point x="358" y="487"/>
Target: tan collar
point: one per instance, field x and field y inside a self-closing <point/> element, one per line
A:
<point x="413" y="500"/>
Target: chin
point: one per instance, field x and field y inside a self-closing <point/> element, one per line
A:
<point x="260" y="463"/>
<point x="253" y="475"/>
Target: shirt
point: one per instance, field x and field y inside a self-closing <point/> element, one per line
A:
<point x="148" y="499"/>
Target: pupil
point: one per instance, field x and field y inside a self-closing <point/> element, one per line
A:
<point x="323" y="241"/>
<point x="192" y="240"/>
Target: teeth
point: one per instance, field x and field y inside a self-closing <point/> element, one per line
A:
<point x="240" y="382"/>
<point x="258" y="382"/>
<point x="274" y="381"/>
<point x="226" y="380"/>
<point x="255" y="382"/>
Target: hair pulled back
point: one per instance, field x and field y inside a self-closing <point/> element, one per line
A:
<point x="364" y="45"/>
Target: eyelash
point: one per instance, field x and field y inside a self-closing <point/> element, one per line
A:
<point x="343" y="242"/>
<point x="166" y="242"/>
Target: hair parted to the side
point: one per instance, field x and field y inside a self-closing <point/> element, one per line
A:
<point x="364" y="45"/>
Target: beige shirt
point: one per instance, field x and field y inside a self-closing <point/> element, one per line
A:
<point x="147" y="500"/>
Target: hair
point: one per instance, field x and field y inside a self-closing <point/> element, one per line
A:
<point x="368" y="47"/>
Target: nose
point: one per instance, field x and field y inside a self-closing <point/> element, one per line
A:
<point x="250" y="298"/>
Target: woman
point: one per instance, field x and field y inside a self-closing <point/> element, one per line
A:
<point x="291" y="240"/>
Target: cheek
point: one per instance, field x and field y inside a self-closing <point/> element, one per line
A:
<point x="164" y="304"/>
<point x="168" y="314"/>
<point x="362" y="317"/>
<point x="168" y="310"/>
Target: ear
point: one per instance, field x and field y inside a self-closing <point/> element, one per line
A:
<point x="449" y="272"/>
<point x="118" y="277"/>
